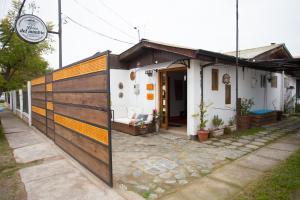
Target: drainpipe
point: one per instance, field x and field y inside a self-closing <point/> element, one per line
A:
<point x="201" y="82"/>
<point x="282" y="90"/>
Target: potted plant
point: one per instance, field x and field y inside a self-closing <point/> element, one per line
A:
<point x="244" y="119"/>
<point x="232" y="124"/>
<point x="217" y="122"/>
<point x="201" y="132"/>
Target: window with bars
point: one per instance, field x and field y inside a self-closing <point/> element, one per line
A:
<point x="18" y="99"/>
<point x="25" y="101"/>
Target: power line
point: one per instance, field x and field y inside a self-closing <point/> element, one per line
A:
<point x="13" y="29"/>
<point x="102" y="19"/>
<point x="116" y="13"/>
<point x="101" y="34"/>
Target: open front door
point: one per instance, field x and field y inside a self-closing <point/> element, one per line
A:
<point x="163" y="98"/>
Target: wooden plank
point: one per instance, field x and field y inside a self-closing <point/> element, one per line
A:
<point x="49" y="87"/>
<point x="38" y="103"/>
<point x="86" y="99"/>
<point x="93" y="132"/>
<point x="50" y="114"/>
<point x="50" y="133"/>
<point x="38" y="110"/>
<point x="87" y="67"/>
<point x="50" y="124"/>
<point x="49" y="105"/>
<point x="49" y="78"/>
<point x="85" y="114"/>
<point x="38" y="88"/>
<point x="49" y="96"/>
<point x="86" y="83"/>
<point x="39" y="118"/>
<point x="41" y="127"/>
<point x="38" y="81"/>
<point x="38" y="95"/>
<point x="98" y="168"/>
<point x="97" y="150"/>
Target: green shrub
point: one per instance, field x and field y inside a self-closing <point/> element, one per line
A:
<point x="227" y="130"/>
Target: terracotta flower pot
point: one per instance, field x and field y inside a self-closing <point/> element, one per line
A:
<point x="202" y="135"/>
<point x="243" y="122"/>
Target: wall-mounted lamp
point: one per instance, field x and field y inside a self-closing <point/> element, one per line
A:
<point x="269" y="76"/>
<point x="149" y="72"/>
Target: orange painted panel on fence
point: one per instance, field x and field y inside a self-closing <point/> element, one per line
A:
<point x="49" y="87"/>
<point x="49" y="105"/>
<point x="38" y="110"/>
<point x="38" y="81"/>
<point x="98" y="134"/>
<point x="91" y="66"/>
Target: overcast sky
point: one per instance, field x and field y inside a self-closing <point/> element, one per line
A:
<point x="203" y="24"/>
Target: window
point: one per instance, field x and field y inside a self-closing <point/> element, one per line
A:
<point x="263" y="81"/>
<point x="25" y="101"/>
<point x="18" y="99"/>
<point x="274" y="82"/>
<point x="227" y="94"/>
<point x="215" y="79"/>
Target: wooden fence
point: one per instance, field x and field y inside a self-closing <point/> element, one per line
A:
<point x="71" y="106"/>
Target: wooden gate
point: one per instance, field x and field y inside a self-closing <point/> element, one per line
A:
<point x="38" y="103"/>
<point x="77" y="110"/>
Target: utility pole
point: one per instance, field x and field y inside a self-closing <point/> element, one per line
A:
<point x="138" y="31"/>
<point x="237" y="55"/>
<point x="60" y="34"/>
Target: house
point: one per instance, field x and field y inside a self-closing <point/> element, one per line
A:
<point x="154" y="75"/>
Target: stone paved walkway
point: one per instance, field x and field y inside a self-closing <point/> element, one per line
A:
<point x="158" y="165"/>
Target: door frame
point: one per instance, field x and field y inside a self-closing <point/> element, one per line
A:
<point x="160" y="73"/>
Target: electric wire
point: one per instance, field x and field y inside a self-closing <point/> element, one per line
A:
<point x="102" y="19"/>
<point x="116" y="13"/>
<point x="98" y="33"/>
<point x="13" y="29"/>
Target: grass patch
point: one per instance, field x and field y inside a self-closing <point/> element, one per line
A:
<point x="146" y="195"/>
<point x="251" y="131"/>
<point x="11" y="187"/>
<point x="280" y="183"/>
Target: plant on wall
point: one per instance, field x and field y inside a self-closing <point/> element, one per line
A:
<point x="202" y="115"/>
<point x="289" y="104"/>
<point x="246" y="105"/>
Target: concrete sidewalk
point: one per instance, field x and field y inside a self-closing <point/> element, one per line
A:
<point x="229" y="180"/>
<point x="53" y="174"/>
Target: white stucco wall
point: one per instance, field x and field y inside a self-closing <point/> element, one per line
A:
<point x="264" y="98"/>
<point x="249" y="87"/>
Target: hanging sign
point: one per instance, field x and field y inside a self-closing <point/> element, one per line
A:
<point x="31" y="29"/>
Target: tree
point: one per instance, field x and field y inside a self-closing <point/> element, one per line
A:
<point x="20" y="61"/>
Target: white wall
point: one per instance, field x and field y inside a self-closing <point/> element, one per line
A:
<point x="264" y="98"/>
<point x="130" y="99"/>
<point x="249" y="87"/>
